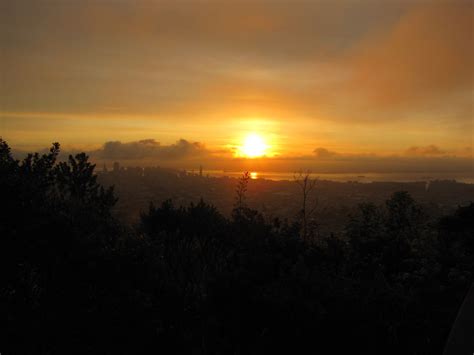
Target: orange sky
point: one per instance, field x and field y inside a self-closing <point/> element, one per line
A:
<point x="315" y="79"/>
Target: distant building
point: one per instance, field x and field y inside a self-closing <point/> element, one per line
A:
<point x="200" y="170"/>
<point x="104" y="169"/>
<point x="116" y="167"/>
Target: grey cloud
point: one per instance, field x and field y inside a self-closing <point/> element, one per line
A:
<point x="150" y="148"/>
<point x="429" y="150"/>
<point x="324" y="153"/>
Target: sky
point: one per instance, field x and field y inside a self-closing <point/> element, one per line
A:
<point x="331" y="85"/>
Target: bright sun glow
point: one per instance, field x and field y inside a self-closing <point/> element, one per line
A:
<point x="253" y="146"/>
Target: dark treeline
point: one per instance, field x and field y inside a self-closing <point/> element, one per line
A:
<point x="188" y="280"/>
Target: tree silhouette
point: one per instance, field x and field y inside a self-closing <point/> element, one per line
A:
<point x="307" y="184"/>
<point x="240" y="192"/>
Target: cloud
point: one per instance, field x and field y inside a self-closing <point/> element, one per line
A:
<point x="324" y="153"/>
<point x="427" y="55"/>
<point x="150" y="148"/>
<point x="429" y="150"/>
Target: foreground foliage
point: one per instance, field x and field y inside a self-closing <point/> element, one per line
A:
<point x="188" y="280"/>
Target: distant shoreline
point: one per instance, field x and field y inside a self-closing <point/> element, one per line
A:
<point x="369" y="177"/>
<point x="346" y="177"/>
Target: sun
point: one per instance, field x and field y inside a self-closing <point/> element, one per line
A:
<point x="253" y="146"/>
